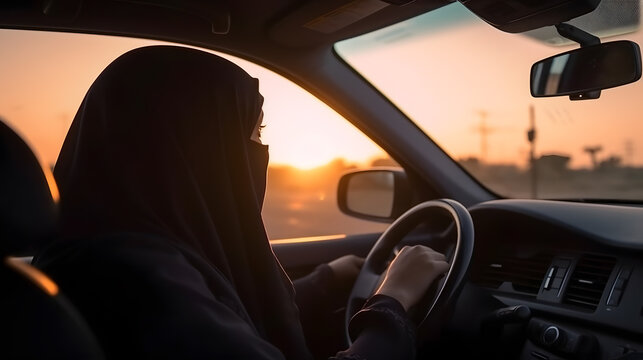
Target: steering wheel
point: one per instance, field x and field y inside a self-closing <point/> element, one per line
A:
<point x="376" y="261"/>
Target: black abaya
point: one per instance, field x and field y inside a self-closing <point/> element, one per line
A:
<point x="163" y="248"/>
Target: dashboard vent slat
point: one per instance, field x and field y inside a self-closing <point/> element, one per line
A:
<point x="588" y="281"/>
<point x="524" y="274"/>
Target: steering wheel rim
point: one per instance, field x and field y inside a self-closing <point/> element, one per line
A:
<point x="375" y="263"/>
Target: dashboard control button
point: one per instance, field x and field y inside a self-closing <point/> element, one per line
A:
<point x="551" y="335"/>
<point x="562" y="263"/>
<point x="562" y="340"/>
<point x="615" y="298"/>
<point x="556" y="283"/>
<point x="626" y="272"/>
<point x="551" y="272"/>
<point x="619" y="284"/>
<point x="550" y="276"/>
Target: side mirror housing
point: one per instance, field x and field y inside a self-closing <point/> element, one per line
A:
<point x="379" y="194"/>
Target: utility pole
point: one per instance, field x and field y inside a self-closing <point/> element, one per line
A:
<point x="484" y="131"/>
<point x="531" y="137"/>
<point x="629" y="153"/>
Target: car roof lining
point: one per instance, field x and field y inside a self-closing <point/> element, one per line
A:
<point x="277" y="22"/>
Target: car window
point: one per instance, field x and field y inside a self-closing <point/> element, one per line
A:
<point x="45" y="76"/>
<point x="466" y="84"/>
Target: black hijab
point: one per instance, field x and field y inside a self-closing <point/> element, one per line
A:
<point x="161" y="145"/>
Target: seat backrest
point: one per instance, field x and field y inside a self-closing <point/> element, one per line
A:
<point x="37" y="321"/>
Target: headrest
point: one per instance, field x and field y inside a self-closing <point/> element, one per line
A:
<point x="27" y="208"/>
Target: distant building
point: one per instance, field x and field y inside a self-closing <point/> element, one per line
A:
<point x="553" y="164"/>
<point x="472" y="164"/>
<point x="387" y="161"/>
<point x="611" y="163"/>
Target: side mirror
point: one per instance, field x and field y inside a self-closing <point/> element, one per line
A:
<point x="376" y="194"/>
<point x="587" y="69"/>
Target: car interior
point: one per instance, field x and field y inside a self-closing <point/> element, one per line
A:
<point x="534" y="274"/>
<point x="33" y="308"/>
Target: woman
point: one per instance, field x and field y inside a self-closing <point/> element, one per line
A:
<point x="163" y="248"/>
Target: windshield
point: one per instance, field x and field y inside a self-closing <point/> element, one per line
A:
<point x="466" y="84"/>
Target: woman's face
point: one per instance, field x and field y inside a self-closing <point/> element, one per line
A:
<point x="256" y="132"/>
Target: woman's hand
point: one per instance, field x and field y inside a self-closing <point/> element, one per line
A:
<point x="411" y="273"/>
<point x="345" y="270"/>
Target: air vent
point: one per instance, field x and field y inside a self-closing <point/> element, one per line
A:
<point x="588" y="281"/>
<point x="524" y="274"/>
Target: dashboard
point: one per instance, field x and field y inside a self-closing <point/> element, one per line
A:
<point x="554" y="280"/>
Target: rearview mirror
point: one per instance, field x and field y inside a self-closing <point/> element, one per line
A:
<point x="376" y="194"/>
<point x="581" y="71"/>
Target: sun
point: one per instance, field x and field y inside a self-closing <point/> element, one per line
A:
<point x="305" y="160"/>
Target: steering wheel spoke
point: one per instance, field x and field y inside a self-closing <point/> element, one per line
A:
<point x="369" y="281"/>
<point x="365" y="286"/>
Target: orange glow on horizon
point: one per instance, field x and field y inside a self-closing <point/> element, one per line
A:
<point x="308" y="239"/>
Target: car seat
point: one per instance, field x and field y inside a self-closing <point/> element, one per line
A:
<point x="36" y="320"/>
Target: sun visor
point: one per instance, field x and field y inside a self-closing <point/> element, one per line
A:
<point x="523" y="15"/>
<point x="215" y="12"/>
<point x="611" y="18"/>
<point x="328" y="21"/>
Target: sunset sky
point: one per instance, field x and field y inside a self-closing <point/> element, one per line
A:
<point x="442" y="79"/>
<point x="448" y="66"/>
<point x="45" y="76"/>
